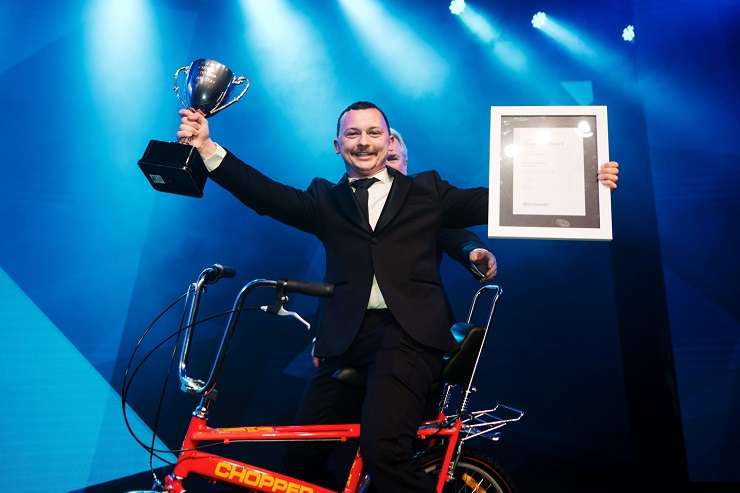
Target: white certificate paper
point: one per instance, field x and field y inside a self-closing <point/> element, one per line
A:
<point x="548" y="172"/>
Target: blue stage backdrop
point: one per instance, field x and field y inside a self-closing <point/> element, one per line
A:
<point x="606" y="346"/>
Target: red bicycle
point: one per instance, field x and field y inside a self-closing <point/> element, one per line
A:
<point x="443" y="453"/>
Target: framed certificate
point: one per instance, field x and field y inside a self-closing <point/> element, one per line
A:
<point x="543" y="166"/>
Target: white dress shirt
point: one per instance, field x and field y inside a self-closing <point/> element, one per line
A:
<point x="214" y="160"/>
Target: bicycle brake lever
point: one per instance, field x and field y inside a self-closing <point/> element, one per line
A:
<point x="286" y="313"/>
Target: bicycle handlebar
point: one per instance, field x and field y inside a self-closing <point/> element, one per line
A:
<point x="217" y="271"/>
<point x="321" y="289"/>
<point x="211" y="275"/>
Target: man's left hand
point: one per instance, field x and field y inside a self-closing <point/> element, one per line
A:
<point x="486" y="263"/>
<point x="608" y="174"/>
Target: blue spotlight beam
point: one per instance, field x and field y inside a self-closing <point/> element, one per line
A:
<point x="119" y="36"/>
<point x="418" y="70"/>
<point x="294" y="62"/>
<point x="504" y="50"/>
<point x="567" y="38"/>
<point x="479" y="25"/>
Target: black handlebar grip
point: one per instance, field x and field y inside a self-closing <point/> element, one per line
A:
<point x="227" y="271"/>
<point x="321" y="289"/>
<point x="217" y="271"/>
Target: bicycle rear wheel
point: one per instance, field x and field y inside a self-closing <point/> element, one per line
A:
<point x="474" y="474"/>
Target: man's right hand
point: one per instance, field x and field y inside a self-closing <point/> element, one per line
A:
<point x="194" y="131"/>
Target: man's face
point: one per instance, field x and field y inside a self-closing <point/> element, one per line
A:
<point x="363" y="142"/>
<point x="396" y="157"/>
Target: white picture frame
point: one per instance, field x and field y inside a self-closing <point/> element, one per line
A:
<point x="543" y="181"/>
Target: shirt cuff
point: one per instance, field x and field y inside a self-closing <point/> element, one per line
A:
<point x="214" y="160"/>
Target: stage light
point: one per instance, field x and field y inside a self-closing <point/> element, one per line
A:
<point x="539" y="19"/>
<point x="457" y="7"/>
<point x="628" y="34"/>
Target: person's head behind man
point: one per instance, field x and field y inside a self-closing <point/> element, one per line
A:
<point x="398" y="156"/>
<point x="362" y="139"/>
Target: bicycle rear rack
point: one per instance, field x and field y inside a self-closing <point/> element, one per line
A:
<point x="484" y="423"/>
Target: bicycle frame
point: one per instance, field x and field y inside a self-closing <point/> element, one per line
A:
<point x="456" y="428"/>
<point x="220" y="468"/>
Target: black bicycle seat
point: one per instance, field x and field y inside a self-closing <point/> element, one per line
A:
<point x="461" y="362"/>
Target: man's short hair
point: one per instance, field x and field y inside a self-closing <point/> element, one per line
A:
<point x="395" y="133"/>
<point x="361" y="105"/>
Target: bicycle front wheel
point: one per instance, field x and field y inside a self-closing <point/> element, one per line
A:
<point x="473" y="474"/>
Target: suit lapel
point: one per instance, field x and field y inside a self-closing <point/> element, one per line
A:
<point x="344" y="198"/>
<point x="396" y="198"/>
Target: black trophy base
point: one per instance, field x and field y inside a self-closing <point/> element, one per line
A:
<point x="174" y="168"/>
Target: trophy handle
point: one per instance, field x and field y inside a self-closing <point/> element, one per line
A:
<point x="176" y="84"/>
<point x="235" y="81"/>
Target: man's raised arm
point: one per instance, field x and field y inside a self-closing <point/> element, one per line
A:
<point x="265" y="196"/>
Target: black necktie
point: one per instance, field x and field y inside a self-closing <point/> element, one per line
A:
<point x="361" y="194"/>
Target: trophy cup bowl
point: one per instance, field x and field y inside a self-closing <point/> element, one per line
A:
<point x="176" y="167"/>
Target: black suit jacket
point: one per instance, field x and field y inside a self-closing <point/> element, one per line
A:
<point x="402" y="251"/>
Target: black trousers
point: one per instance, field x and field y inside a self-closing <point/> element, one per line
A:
<point x="401" y="375"/>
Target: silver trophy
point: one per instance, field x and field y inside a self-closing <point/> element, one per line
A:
<point x="205" y="86"/>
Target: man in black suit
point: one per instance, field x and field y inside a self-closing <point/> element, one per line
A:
<point x="388" y="314"/>
<point x="461" y="245"/>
